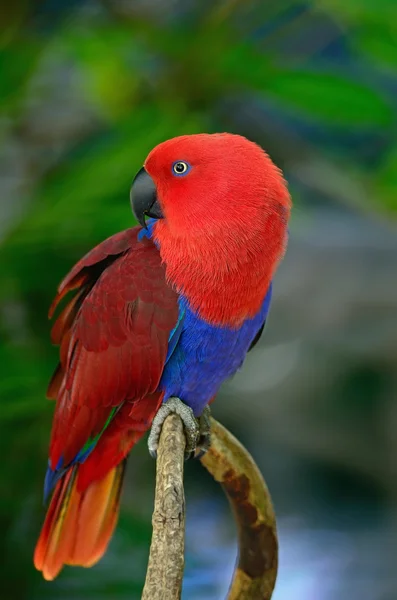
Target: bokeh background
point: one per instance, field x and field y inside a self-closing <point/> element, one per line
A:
<point x="87" y="88"/>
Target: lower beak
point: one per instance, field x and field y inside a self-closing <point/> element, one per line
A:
<point x="143" y="198"/>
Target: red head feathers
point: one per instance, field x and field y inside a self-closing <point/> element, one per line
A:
<point x="225" y="209"/>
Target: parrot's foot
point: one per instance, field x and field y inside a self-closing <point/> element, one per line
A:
<point x="197" y="431"/>
<point x="204" y="441"/>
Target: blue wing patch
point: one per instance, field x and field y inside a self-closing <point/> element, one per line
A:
<point x="176" y="332"/>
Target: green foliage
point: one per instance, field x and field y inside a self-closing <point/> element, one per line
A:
<point x="331" y="98"/>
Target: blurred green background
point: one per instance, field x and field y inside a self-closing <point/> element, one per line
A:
<point x="87" y="88"/>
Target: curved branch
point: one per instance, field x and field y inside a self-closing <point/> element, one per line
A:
<point x="231" y="464"/>
<point x="166" y="559"/>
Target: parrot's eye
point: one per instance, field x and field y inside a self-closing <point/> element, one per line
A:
<point x="180" y="167"/>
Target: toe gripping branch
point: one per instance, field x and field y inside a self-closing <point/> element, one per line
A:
<point x="197" y="431"/>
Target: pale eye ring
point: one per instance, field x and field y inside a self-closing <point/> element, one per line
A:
<point x="180" y="168"/>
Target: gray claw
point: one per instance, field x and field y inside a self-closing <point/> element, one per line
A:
<point x="205" y="432"/>
<point x="190" y="424"/>
<point x="152" y="451"/>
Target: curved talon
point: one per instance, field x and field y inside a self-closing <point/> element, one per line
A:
<point x="204" y="441"/>
<point x="197" y="431"/>
<point x="152" y="451"/>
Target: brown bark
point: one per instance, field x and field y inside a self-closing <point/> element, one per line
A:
<point x="166" y="560"/>
<point x="230" y="463"/>
<point x="233" y="467"/>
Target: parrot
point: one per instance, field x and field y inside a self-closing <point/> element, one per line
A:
<point x="161" y="315"/>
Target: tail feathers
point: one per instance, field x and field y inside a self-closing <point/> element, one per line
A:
<point x="79" y="524"/>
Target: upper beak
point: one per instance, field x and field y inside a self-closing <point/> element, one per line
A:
<point x="143" y="198"/>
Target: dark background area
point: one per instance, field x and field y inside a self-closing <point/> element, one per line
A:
<point x="87" y="88"/>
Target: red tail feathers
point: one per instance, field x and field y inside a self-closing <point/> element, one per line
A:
<point x="78" y="525"/>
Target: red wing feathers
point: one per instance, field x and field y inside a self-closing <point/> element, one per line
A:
<point x="94" y="262"/>
<point x="124" y="431"/>
<point x="113" y="338"/>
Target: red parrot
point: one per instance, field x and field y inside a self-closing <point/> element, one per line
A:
<point x="161" y="315"/>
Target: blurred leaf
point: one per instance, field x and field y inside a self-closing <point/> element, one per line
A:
<point x="109" y="79"/>
<point x="17" y="64"/>
<point x="362" y="11"/>
<point x="331" y="97"/>
<point x="385" y="182"/>
<point x="377" y="43"/>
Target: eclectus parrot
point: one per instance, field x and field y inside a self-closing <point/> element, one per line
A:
<point x="161" y="315"/>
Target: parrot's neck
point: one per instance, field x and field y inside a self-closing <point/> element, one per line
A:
<point x="224" y="278"/>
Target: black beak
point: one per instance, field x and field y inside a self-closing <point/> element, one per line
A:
<point x="143" y="198"/>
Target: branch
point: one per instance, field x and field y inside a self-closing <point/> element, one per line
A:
<point x="231" y="465"/>
<point x="166" y="559"/>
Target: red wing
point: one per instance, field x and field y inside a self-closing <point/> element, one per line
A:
<point x="113" y="338"/>
<point x="124" y="431"/>
<point x="88" y="269"/>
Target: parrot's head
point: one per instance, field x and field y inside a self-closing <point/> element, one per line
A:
<point x="200" y="183"/>
<point x="221" y="208"/>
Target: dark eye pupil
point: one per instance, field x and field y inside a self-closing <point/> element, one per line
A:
<point x="179" y="167"/>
